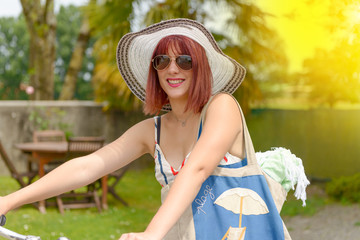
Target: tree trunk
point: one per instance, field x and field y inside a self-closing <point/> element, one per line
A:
<point x="68" y="90"/>
<point x="41" y="22"/>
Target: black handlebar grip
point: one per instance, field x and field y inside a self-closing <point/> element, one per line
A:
<point x="2" y="220"/>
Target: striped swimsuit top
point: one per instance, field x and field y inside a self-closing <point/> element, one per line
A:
<point x="166" y="174"/>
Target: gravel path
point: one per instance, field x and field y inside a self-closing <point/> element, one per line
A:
<point x="332" y="222"/>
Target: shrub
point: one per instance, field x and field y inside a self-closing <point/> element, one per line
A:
<point x="345" y="189"/>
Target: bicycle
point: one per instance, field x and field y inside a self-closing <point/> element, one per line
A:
<point x="8" y="234"/>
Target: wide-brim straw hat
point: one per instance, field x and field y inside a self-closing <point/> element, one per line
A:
<point x="135" y="50"/>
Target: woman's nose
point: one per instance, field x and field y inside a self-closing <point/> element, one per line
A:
<point x="173" y="68"/>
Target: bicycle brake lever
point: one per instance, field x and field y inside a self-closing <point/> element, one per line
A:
<point x="2" y="220"/>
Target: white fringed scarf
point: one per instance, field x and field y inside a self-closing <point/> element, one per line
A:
<point x="286" y="168"/>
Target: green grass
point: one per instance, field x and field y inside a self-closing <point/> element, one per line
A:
<point x="293" y="207"/>
<point x="138" y="188"/>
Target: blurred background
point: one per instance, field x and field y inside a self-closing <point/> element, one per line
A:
<point x="302" y="89"/>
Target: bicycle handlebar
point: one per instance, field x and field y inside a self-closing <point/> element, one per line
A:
<point x="8" y="234"/>
<point x="2" y="220"/>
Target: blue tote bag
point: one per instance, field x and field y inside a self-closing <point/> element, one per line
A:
<point x="238" y="201"/>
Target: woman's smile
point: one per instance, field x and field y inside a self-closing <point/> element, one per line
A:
<point x="175" y="82"/>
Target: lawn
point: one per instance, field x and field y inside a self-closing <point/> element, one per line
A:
<point x="138" y="188"/>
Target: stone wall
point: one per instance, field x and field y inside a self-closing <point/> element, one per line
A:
<point x="79" y="118"/>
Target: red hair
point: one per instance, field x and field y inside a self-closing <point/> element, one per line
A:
<point x="201" y="85"/>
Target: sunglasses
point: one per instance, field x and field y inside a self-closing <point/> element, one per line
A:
<point x="160" y="62"/>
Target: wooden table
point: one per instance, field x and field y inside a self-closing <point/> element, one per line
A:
<point x="45" y="152"/>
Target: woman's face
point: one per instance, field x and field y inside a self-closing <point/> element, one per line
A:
<point x="174" y="80"/>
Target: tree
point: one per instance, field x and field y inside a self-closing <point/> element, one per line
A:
<point x="77" y="60"/>
<point x="333" y="75"/>
<point x="251" y="42"/>
<point x="41" y="24"/>
<point x="14" y="52"/>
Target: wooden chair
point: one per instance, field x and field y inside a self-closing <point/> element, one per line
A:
<point x="117" y="176"/>
<point x="24" y="178"/>
<point x="80" y="146"/>
<point x="48" y="136"/>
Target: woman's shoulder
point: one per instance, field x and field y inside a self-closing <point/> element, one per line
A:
<point x="222" y="109"/>
<point x="222" y="101"/>
<point x="147" y="123"/>
<point x="143" y="130"/>
<point x="147" y="126"/>
<point x="224" y="96"/>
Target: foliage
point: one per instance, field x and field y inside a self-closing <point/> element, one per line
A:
<point x="14" y="55"/>
<point x="49" y="118"/>
<point x="252" y="43"/>
<point x="345" y="189"/>
<point x="138" y="188"/>
<point x="111" y="20"/>
<point x="334" y="74"/>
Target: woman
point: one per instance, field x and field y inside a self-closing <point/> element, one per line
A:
<point x="179" y="66"/>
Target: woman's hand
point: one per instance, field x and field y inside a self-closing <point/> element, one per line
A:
<point x="137" y="236"/>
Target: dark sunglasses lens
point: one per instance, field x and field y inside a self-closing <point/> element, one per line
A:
<point x="184" y="62"/>
<point x="161" y="62"/>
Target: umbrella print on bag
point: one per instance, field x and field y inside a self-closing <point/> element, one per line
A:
<point x="241" y="201"/>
